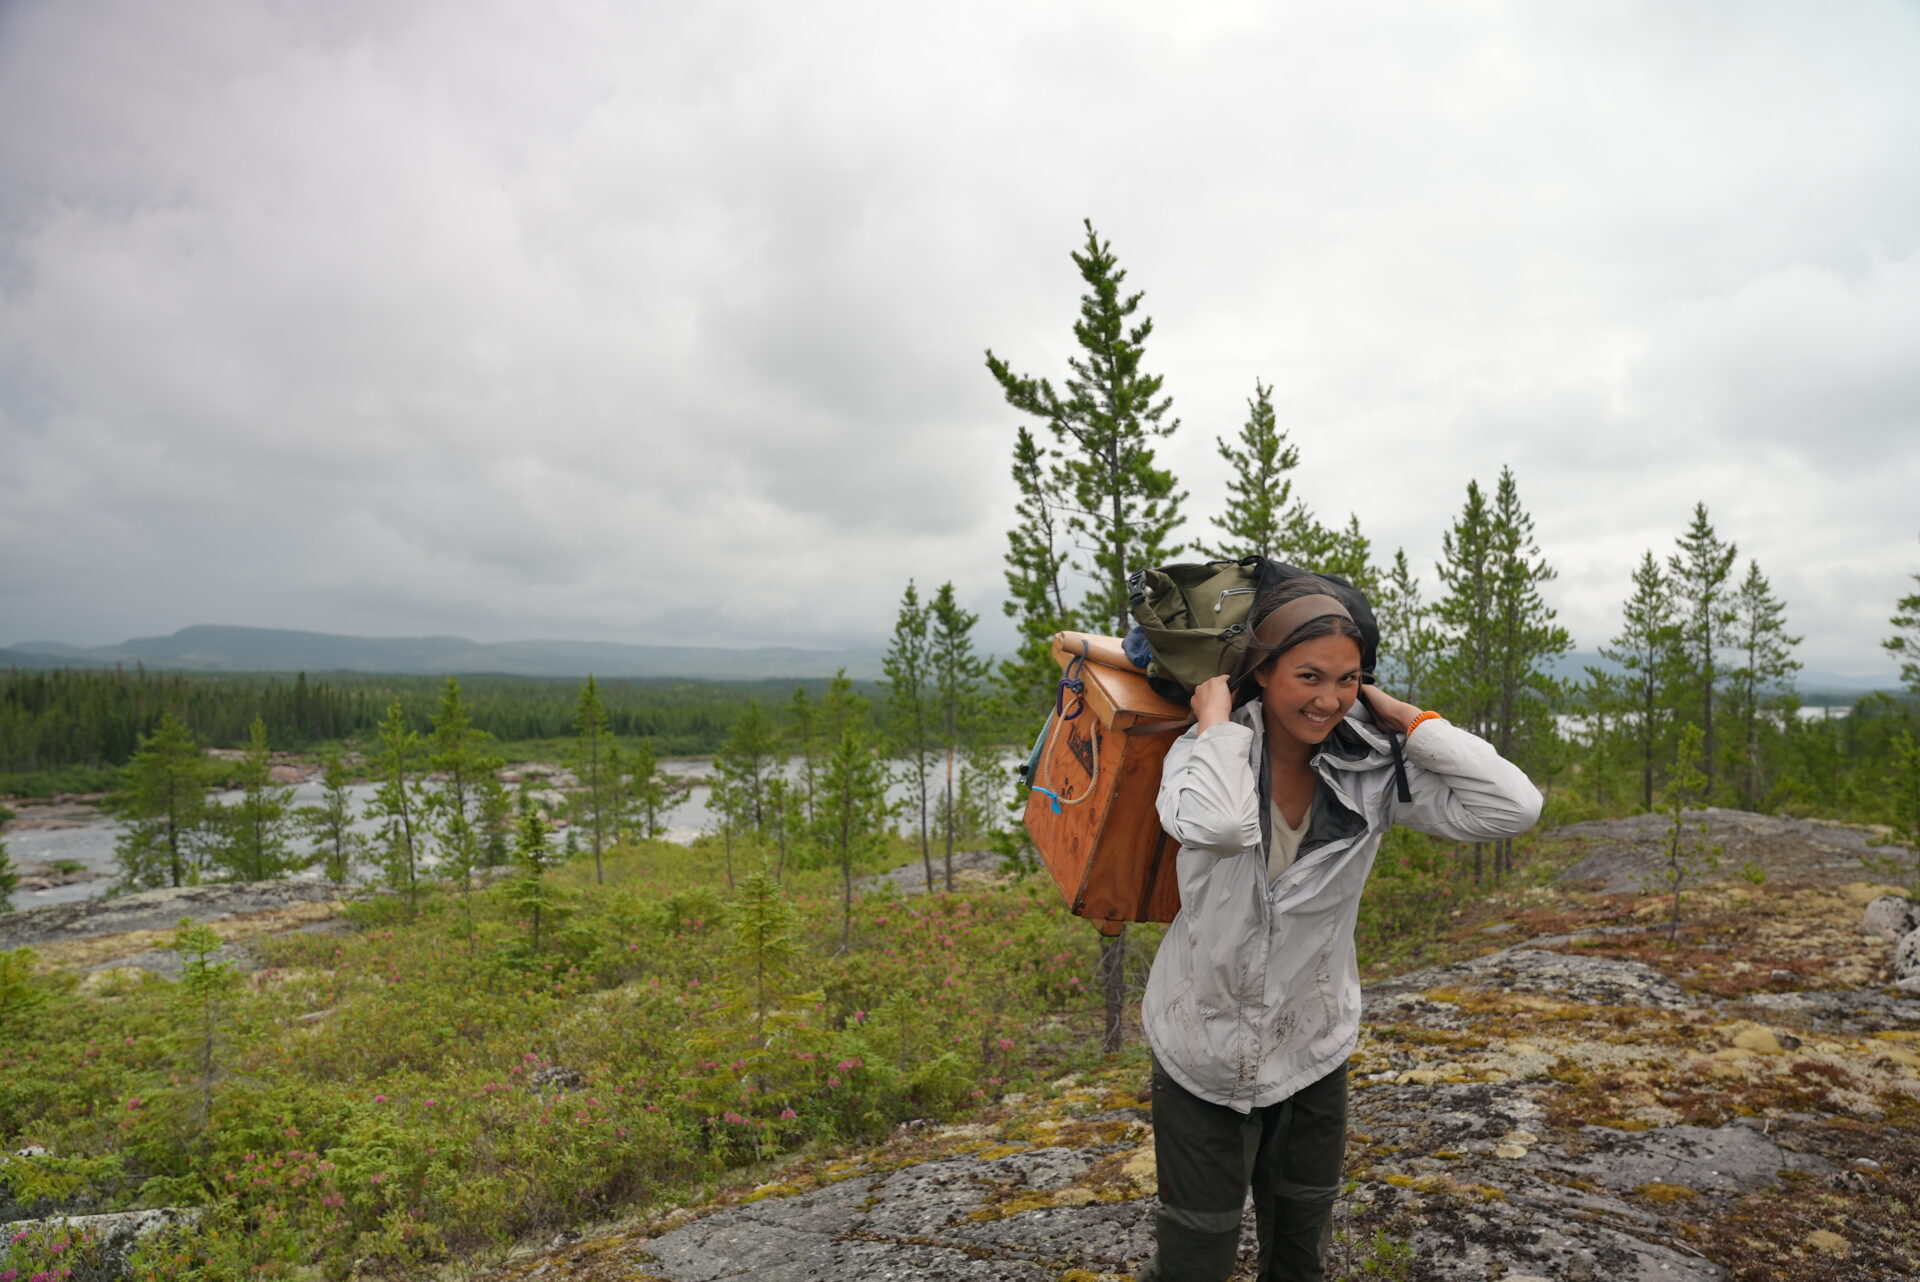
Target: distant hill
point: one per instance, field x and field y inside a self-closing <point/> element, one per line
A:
<point x="214" y="648"/>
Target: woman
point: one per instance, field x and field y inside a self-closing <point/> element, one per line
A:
<point x="1253" y="1004"/>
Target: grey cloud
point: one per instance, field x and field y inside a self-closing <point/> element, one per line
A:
<point x="507" y="320"/>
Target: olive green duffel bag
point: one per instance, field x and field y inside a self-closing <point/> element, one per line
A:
<point x="1194" y="617"/>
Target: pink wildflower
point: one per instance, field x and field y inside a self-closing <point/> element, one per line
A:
<point x="787" y="1115"/>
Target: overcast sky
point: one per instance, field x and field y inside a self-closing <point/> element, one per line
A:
<point x="664" y="322"/>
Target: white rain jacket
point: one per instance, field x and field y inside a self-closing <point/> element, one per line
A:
<point x="1255" y="992"/>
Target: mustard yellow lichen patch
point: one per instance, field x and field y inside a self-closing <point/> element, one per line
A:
<point x="1664" y="1193"/>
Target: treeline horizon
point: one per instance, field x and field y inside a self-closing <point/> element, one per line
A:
<point x="55" y="718"/>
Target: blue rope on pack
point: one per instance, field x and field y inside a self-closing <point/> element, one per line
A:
<point x="1050" y="795"/>
<point x="1070" y="680"/>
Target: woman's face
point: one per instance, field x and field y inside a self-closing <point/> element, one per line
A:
<point x="1307" y="690"/>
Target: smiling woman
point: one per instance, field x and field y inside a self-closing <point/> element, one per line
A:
<point x="1253" y="1005"/>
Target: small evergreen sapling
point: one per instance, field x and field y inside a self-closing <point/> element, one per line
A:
<point x="206" y="987"/>
<point x="1689" y="854"/>
<point x="540" y="904"/>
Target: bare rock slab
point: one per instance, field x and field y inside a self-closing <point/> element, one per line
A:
<point x="1568" y="977"/>
<point x="1727" y="1159"/>
<point x="156" y="910"/>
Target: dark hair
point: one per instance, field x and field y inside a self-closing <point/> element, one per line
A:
<point x="1271" y="599"/>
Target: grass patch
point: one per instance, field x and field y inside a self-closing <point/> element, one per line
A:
<point x="417" y="1091"/>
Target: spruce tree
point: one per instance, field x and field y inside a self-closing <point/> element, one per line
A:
<point x="1762" y="680"/>
<point x="1120" y="508"/>
<point x="907" y="712"/>
<point x="957" y="674"/>
<point x="1700" y="575"/>
<point x="646" y="792"/>
<point x="398" y="802"/>
<point x="1409" y="643"/>
<point x="463" y="771"/>
<point x="165" y="806"/>
<point x="250" y="837"/>
<point x="1904" y="644"/>
<point x="851" y="815"/>
<point x="1525" y="637"/>
<point x="540" y="904"/>
<point x="596" y="800"/>
<point x="1464" y="676"/>
<point x="1123" y="508"/>
<point x="329" y="825"/>
<point x="766" y="939"/>
<point x="1646" y="649"/>
<point x="205" y="989"/>
<point x="1258" y="486"/>
<point x="1036" y="569"/>
<point x="803" y="736"/>
<point x="744" y="763"/>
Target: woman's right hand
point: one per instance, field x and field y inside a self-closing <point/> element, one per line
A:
<point x="1212" y="702"/>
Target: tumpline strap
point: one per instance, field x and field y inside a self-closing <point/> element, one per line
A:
<point x="1399" y="757"/>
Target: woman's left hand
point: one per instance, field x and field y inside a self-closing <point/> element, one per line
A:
<point x="1391" y="713"/>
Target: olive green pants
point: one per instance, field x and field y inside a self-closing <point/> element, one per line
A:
<point x="1289" y="1153"/>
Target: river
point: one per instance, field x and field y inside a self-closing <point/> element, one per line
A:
<point x="85" y="836"/>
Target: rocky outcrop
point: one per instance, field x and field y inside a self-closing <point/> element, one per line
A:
<point x="1591" y="1103"/>
<point x="157" y="910"/>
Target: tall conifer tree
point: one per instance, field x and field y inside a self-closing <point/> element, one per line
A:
<point x="1121" y="508"/>
<point x="957" y="674"/>
<point x="329" y="825"/>
<point x="591" y="766"/>
<point x="455" y="802"/>
<point x="1464" y="675"/>
<point x="1763" y="675"/>
<point x="1700" y="574"/>
<point x="1525" y="637"/>
<point x="1036" y="570"/>
<point x="1124" y="507"/>
<point x="250" y="836"/>
<point x="398" y="801"/>
<point x="908" y="711"/>
<point x="165" y="806"/>
<point x="1646" y="649"/>
<point x="1409" y="644"/>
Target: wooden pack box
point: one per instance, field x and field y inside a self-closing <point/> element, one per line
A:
<point x="1091" y="809"/>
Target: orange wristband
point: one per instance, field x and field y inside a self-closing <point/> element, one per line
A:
<point x="1425" y="716"/>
